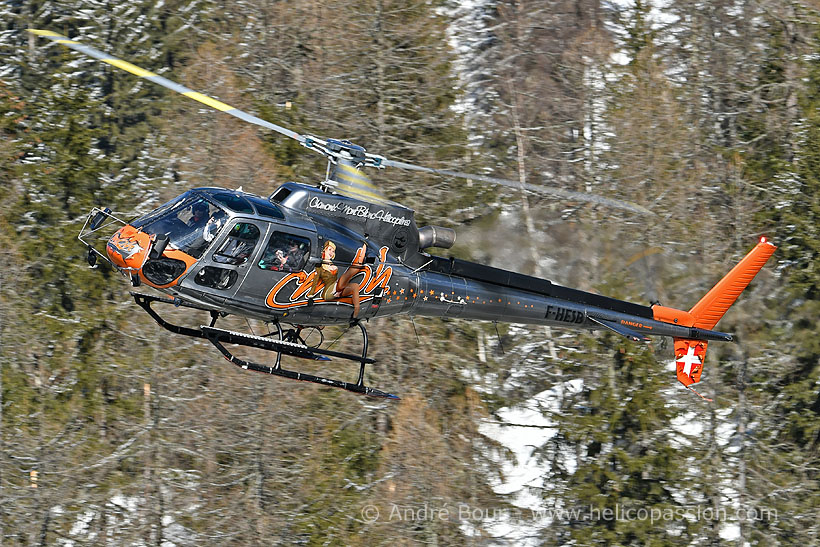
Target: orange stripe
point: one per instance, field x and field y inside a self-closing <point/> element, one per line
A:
<point x="179" y="255"/>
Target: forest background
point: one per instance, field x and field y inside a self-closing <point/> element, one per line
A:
<point x="115" y="432"/>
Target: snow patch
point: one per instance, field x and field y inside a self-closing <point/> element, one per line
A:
<point x="523" y="429"/>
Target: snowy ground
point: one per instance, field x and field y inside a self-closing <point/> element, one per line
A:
<point x="523" y="429"/>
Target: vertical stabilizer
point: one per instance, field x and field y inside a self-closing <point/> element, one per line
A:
<point x="708" y="311"/>
<point x="689" y="354"/>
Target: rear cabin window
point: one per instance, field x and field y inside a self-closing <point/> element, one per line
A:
<point x="285" y="252"/>
<point x="239" y="244"/>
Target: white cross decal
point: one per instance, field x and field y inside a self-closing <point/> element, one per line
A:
<point x="689" y="359"/>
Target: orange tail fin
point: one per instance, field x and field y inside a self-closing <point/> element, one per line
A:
<point x="707" y="312"/>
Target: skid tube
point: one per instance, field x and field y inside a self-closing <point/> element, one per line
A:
<point x="218" y="337"/>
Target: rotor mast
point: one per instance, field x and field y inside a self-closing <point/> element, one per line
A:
<point x="344" y="173"/>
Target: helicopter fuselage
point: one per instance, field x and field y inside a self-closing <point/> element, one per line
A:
<point x="256" y="257"/>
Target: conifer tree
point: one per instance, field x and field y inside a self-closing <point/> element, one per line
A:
<point x="783" y="474"/>
<point x="618" y="464"/>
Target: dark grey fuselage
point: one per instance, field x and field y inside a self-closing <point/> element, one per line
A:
<point x="399" y="278"/>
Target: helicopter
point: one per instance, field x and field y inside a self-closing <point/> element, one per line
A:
<point x="341" y="253"/>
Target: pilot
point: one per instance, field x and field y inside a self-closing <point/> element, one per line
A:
<point x="199" y="214"/>
<point x="200" y="218"/>
<point x="336" y="287"/>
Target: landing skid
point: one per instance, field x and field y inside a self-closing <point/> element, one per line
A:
<point x="219" y="337"/>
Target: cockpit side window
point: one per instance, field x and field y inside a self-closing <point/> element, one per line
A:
<point x="239" y="244"/>
<point x="285" y="252"/>
<point x="203" y="222"/>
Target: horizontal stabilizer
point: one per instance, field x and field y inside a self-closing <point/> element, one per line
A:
<point x="620" y="329"/>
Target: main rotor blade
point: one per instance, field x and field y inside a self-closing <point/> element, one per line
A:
<point x="164" y="82"/>
<point x="322" y="146"/>
<point x="560" y="192"/>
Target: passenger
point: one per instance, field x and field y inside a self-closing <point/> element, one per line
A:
<point x="295" y="256"/>
<point x="280" y="260"/>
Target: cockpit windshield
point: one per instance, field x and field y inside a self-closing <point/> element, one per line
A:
<point x="190" y="224"/>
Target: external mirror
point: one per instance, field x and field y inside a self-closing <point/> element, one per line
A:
<point x="98" y="219"/>
<point x="160" y="243"/>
